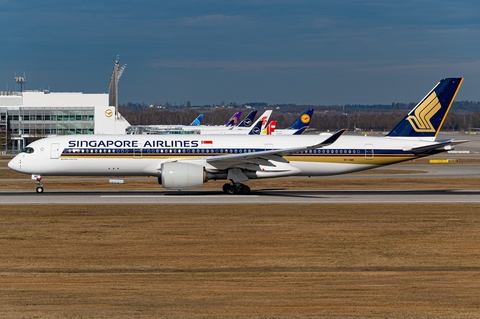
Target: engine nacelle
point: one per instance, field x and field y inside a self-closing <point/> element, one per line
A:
<point x="178" y="175"/>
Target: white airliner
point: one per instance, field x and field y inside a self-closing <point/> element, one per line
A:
<point x="183" y="162"/>
<point x="194" y="128"/>
<point x="299" y="126"/>
<point x="230" y="128"/>
<point x="233" y="130"/>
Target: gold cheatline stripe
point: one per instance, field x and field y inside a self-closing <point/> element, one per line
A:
<point x="338" y="159"/>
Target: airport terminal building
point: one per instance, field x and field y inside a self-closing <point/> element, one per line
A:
<point x="30" y="115"/>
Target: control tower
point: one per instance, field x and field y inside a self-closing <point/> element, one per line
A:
<point x="113" y="87"/>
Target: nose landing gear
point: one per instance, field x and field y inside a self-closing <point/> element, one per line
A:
<point x="38" y="180"/>
<point x="236" y="188"/>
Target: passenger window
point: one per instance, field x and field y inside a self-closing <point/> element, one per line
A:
<point x="28" y="150"/>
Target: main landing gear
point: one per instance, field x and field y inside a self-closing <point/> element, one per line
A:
<point x="39" y="189"/>
<point x="236" y="188"/>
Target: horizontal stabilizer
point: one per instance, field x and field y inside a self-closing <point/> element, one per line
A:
<point x="439" y="146"/>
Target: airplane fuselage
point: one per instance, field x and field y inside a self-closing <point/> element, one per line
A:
<point x="143" y="154"/>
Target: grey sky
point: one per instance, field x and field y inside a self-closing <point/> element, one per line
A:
<point x="314" y="52"/>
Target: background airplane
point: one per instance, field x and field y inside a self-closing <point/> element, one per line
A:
<point x="248" y="120"/>
<point x="299" y="126"/>
<point x="197" y="121"/>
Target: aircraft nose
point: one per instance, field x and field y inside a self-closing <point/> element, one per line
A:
<point x="14" y="164"/>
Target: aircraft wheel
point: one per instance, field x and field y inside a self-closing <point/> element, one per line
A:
<point x="225" y="186"/>
<point x="229" y="189"/>
<point x="39" y="189"/>
<point x="244" y="190"/>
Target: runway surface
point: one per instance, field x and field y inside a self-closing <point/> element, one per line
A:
<point x="257" y="197"/>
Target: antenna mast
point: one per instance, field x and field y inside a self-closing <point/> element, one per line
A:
<point x="21" y="80"/>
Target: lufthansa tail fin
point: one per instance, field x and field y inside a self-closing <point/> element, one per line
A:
<point x="256" y="129"/>
<point x="302" y="121"/>
<point x="248" y="120"/>
<point x="427" y="117"/>
<point x="300" y="131"/>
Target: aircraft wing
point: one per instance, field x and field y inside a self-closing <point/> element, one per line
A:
<point x="270" y="154"/>
<point x="441" y="145"/>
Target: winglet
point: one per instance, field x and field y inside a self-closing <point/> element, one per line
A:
<point x="330" y="140"/>
<point x="427" y="117"/>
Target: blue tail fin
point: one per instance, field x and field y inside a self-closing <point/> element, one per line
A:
<point x="427" y="117"/>
<point x="257" y="129"/>
<point x="197" y="121"/>
<point x="248" y="120"/>
<point x="300" y="131"/>
<point x="302" y="121"/>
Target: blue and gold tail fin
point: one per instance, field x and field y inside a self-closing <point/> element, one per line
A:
<point x="427" y="117"/>
<point x="302" y="121"/>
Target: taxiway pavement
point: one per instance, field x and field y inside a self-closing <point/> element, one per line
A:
<point x="256" y="197"/>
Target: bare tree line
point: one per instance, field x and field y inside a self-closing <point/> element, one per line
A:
<point x="321" y="120"/>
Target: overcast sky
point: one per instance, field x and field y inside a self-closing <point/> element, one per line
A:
<point x="275" y="51"/>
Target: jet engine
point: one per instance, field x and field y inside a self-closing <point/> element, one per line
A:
<point x="178" y="175"/>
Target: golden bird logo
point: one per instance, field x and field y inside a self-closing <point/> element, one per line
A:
<point x="305" y="118"/>
<point x="108" y="112"/>
<point x="420" y="121"/>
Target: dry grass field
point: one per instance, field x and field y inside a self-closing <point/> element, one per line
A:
<point x="241" y="261"/>
<point x="280" y="261"/>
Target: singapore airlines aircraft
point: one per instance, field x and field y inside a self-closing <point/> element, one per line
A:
<point x="182" y="162"/>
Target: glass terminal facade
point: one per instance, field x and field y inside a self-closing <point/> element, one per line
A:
<point x="46" y="121"/>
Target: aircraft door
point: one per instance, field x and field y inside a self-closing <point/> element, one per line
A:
<point x="55" y="150"/>
<point x="268" y="147"/>
<point x="369" y="151"/>
<point x="137" y="153"/>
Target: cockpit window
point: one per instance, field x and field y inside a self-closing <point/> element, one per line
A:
<point x="28" y="150"/>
